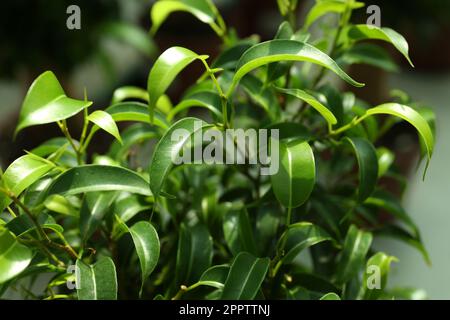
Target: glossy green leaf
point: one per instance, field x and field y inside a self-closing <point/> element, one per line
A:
<point x="357" y="244"/>
<point x="329" y="6"/>
<point x="215" y="276"/>
<point x="22" y="224"/>
<point x="203" y="10"/>
<point x="14" y="257"/>
<point x="21" y="174"/>
<point x="365" y="31"/>
<point x="238" y="232"/>
<point x="376" y="275"/>
<point x="368" y="165"/>
<point x="166" y="149"/>
<point x="60" y="204"/>
<point x="130" y="205"/>
<point x="206" y="99"/>
<point x="245" y="278"/>
<point x="229" y="58"/>
<point x="263" y="96"/>
<point x="313" y="102"/>
<point x="194" y="256"/>
<point x="169" y="64"/>
<point x="300" y="236"/>
<point x="146" y="242"/>
<point x="385" y="160"/>
<point x="285" y="50"/>
<point x="295" y="179"/>
<point x="370" y="54"/>
<point x="46" y="102"/>
<point x="330" y="296"/>
<point x="93" y="210"/>
<point x="106" y="122"/>
<point x="135" y="111"/>
<point x="89" y="178"/>
<point x="129" y="92"/>
<point x="97" y="281"/>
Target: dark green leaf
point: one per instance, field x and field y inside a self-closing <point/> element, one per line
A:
<point x="97" y="281"/>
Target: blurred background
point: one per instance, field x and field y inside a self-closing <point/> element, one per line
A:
<point x="113" y="49"/>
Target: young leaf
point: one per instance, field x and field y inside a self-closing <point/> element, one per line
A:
<point x="14" y="257"/>
<point x="194" y="256"/>
<point x="104" y="121"/>
<point x="364" y="31"/>
<point x="385" y="159"/>
<point x="295" y="179"/>
<point x="21" y="174"/>
<point x="147" y="245"/>
<point x="285" y="50"/>
<point x="135" y="111"/>
<point x="368" y="165"/>
<point x="129" y="92"/>
<point x="90" y="178"/>
<point x="313" y="102"/>
<point x="245" y="278"/>
<point x="169" y="64"/>
<point x="46" y="102"/>
<point x="357" y="244"/>
<point x="166" y="149"/>
<point x="330" y="296"/>
<point x="376" y="275"/>
<point x="300" y="236"/>
<point x="98" y="281"/>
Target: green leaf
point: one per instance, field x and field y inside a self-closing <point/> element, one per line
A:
<point x="262" y="96"/>
<point x="229" y="58"/>
<point x="166" y="149"/>
<point x="129" y="92"/>
<point x="135" y="111"/>
<point x="245" y="278"/>
<point x="313" y="102"/>
<point x="300" y="236"/>
<point x="130" y="205"/>
<point x="329" y="6"/>
<point x="357" y="244"/>
<point x="215" y="276"/>
<point x="98" y="281"/>
<point x="90" y="178"/>
<point x="14" y="257"/>
<point x="93" y="210"/>
<point x="46" y="102"/>
<point x="203" y="10"/>
<point x="146" y="242"/>
<point x="385" y="160"/>
<point x="205" y="99"/>
<point x="22" y="224"/>
<point x="21" y="174"/>
<point x="238" y="232"/>
<point x="60" y="204"/>
<point x="378" y="267"/>
<point x="285" y="50"/>
<point x="194" y="256"/>
<point x="295" y="179"/>
<point x="330" y="296"/>
<point x="106" y="122"/>
<point x="169" y="64"/>
<point x="370" y="54"/>
<point x="364" y="31"/>
<point x="368" y="165"/>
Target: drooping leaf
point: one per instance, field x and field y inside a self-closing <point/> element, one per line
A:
<point x="106" y="122"/>
<point x="21" y="174"/>
<point x="194" y="256"/>
<point x="368" y="165"/>
<point x="14" y="257"/>
<point x="97" y="281"/>
<point x="89" y="178"/>
<point x="146" y="242"/>
<point x="376" y="275"/>
<point x="295" y="179"/>
<point x="130" y="205"/>
<point x="365" y="31"/>
<point x="169" y="64"/>
<point x="245" y="277"/>
<point x="167" y="148"/>
<point x="285" y="50"/>
<point x="356" y="246"/>
<point x="46" y="102"/>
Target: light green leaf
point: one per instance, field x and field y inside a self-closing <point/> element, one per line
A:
<point x="377" y="269"/>
<point x="313" y="102"/>
<point x="166" y="149"/>
<point x="146" y="242"/>
<point x="215" y="276"/>
<point x="370" y="54"/>
<point x="285" y="50"/>
<point x="329" y="6"/>
<point x="205" y="99"/>
<point x="330" y="296"/>
<point x="21" y="174"/>
<point x="136" y="111"/>
<point x="295" y="179"/>
<point x="60" y="204"/>
<point x="169" y="64"/>
<point x="90" y="178"/>
<point x="245" y="278"/>
<point x="368" y="165"/>
<point x="14" y="257"/>
<point x="129" y="92"/>
<point x="98" y="281"/>
<point x="106" y="122"/>
<point x="357" y="244"/>
<point x="364" y="31"/>
<point x="130" y="205"/>
<point x="46" y="102"/>
<point x="385" y="159"/>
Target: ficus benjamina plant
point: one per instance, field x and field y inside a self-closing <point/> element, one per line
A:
<point x="132" y="224"/>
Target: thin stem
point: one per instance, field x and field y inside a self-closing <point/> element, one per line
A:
<point x="63" y="126"/>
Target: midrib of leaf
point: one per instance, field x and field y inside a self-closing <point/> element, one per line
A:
<point x="290" y="175"/>
<point x="247" y="277"/>
<point x="8" y="250"/>
<point x="48" y="103"/>
<point x="91" y="268"/>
